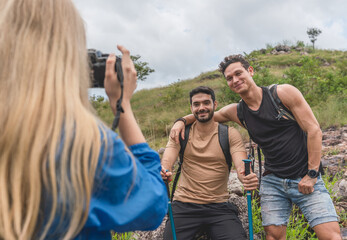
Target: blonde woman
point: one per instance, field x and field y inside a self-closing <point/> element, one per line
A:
<point x="63" y="174"/>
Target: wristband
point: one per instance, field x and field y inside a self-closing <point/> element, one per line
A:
<point x="181" y="119"/>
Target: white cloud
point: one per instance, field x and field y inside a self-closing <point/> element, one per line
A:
<point x="180" y="39"/>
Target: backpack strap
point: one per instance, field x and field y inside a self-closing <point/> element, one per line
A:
<point x="281" y="109"/>
<point x="240" y="113"/>
<point x="259" y="163"/>
<point x="223" y="137"/>
<point x="183" y="143"/>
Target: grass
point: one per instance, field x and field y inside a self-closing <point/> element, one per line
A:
<point x="298" y="228"/>
<point x="102" y="109"/>
<point x="256" y="214"/>
<point x="284" y="60"/>
<point x="123" y="236"/>
<point x="333" y="151"/>
<point x="332" y="112"/>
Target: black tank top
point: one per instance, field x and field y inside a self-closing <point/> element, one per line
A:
<point x="283" y="142"/>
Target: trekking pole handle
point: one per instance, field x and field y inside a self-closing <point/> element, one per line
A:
<point x="247" y="166"/>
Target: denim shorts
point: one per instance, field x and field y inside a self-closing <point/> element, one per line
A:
<point x="278" y="195"/>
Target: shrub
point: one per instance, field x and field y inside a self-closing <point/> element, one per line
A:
<point x="174" y="92"/>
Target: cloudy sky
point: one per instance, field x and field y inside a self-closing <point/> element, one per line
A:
<point x="182" y="38"/>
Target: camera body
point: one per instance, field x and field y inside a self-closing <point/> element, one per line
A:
<point x="97" y="61"/>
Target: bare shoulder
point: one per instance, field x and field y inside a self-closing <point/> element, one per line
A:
<point x="286" y="89"/>
<point x="289" y="94"/>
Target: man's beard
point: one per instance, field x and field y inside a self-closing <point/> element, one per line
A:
<point x="203" y="120"/>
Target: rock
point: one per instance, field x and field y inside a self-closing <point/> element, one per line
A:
<point x="282" y="48"/>
<point x="210" y="76"/>
<point x="340" y="189"/>
<point x="344" y="233"/>
<point x="152" y="235"/>
<point x="341" y="206"/>
<point x="330" y="170"/>
<point x="274" y="52"/>
<point x="234" y="184"/>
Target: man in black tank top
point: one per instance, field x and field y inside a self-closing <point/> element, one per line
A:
<point x="292" y="150"/>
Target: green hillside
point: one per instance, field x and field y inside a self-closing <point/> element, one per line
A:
<point x="321" y="76"/>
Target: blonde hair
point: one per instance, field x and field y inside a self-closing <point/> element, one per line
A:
<point x="49" y="137"/>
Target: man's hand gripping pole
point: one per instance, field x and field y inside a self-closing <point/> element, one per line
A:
<point x="249" y="199"/>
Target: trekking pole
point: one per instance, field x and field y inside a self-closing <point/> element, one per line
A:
<point x="249" y="200"/>
<point x="170" y="211"/>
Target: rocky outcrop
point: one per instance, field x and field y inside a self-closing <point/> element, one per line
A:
<point x="334" y="150"/>
<point x="280" y="49"/>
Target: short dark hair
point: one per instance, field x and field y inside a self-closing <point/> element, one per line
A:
<point x="202" y="89"/>
<point x="233" y="59"/>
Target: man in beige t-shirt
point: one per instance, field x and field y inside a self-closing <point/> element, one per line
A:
<point x="200" y="200"/>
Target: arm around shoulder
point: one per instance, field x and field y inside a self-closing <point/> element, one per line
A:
<point x="227" y="113"/>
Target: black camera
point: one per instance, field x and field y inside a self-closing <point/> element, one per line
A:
<point x="97" y="61"/>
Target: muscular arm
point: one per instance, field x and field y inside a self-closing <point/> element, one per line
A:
<point x="225" y="114"/>
<point x="169" y="158"/>
<point x="292" y="98"/>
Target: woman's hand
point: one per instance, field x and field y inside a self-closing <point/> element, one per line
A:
<point x="111" y="82"/>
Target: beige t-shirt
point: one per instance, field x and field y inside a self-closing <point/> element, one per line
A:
<point x="204" y="174"/>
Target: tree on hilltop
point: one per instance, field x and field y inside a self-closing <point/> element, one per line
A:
<point x="142" y="68"/>
<point x="313" y="34"/>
